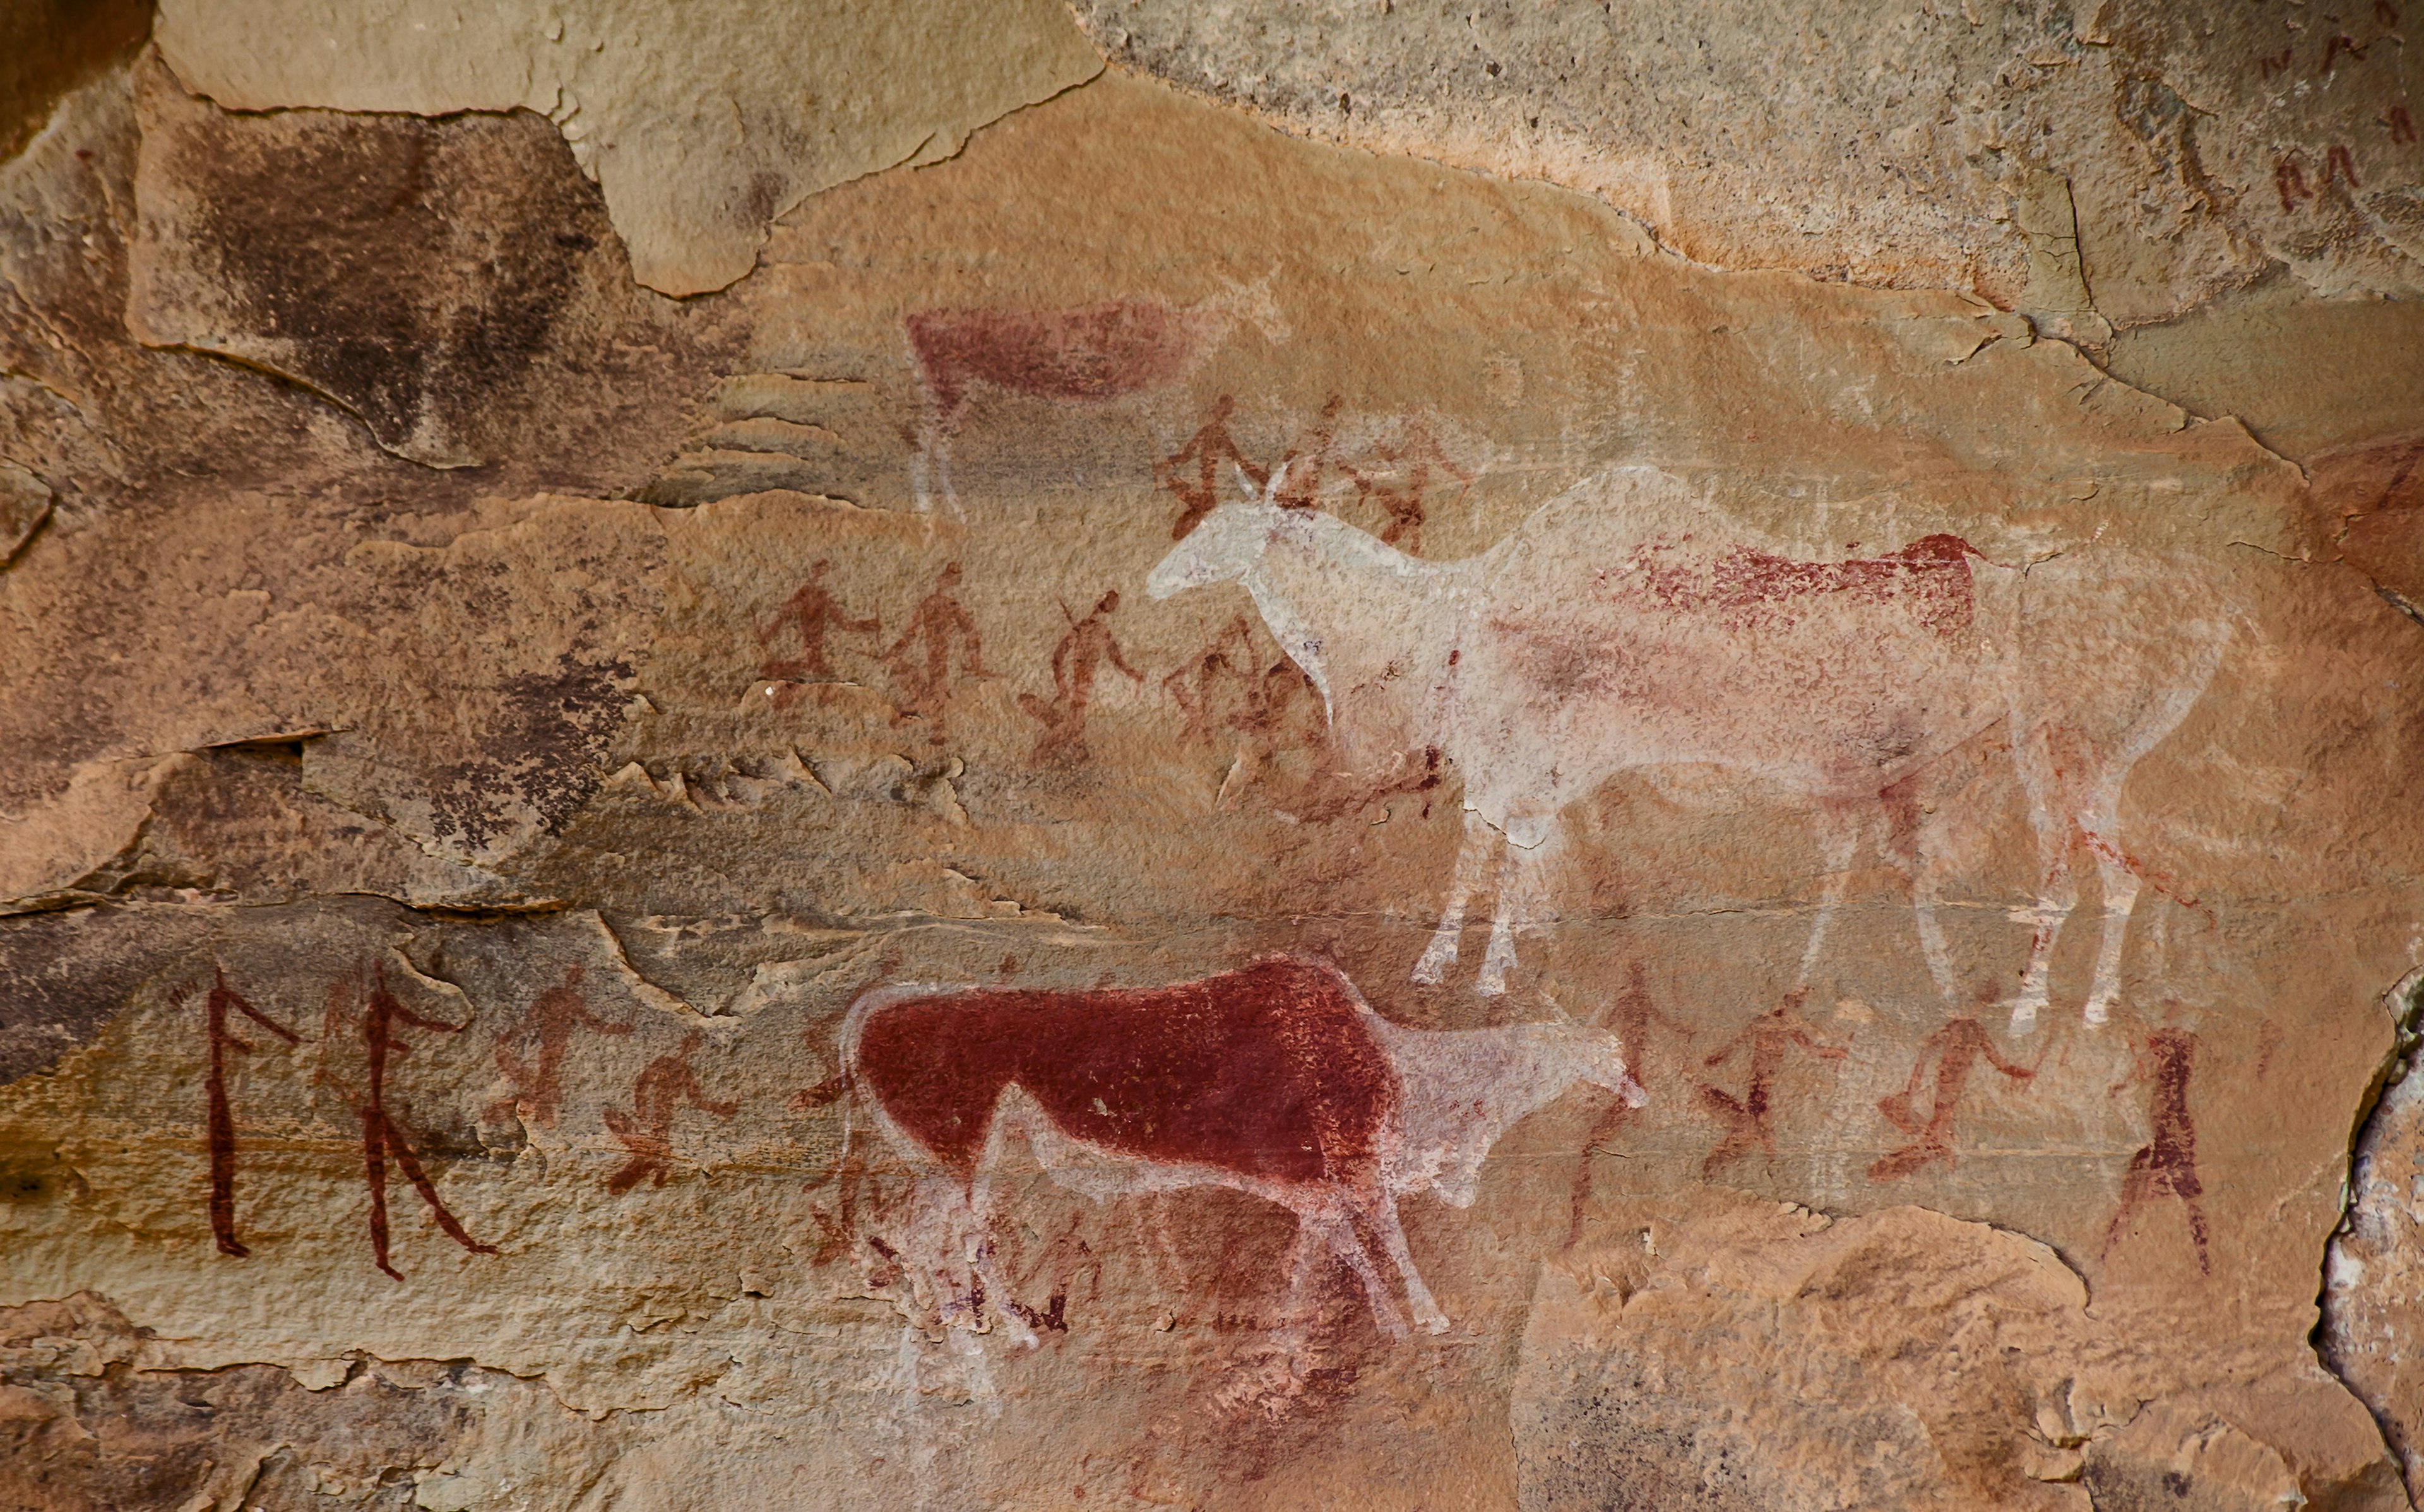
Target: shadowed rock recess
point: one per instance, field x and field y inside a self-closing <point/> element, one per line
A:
<point x="1251" y="757"/>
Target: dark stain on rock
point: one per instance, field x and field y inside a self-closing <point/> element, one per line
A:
<point x="63" y="974"/>
<point x="409" y="268"/>
<point x="454" y="283"/>
<point x="543" y="746"/>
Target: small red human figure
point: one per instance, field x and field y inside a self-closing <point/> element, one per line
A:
<point x="218" y="1122"/>
<point x="2290" y="184"/>
<point x="817" y="613"/>
<point x="554" y="1016"/>
<point x="1193" y="472"/>
<point x="647" y="1130"/>
<point x="942" y="622"/>
<point x="1231" y="656"/>
<point x="382" y="1136"/>
<point x="2338" y="165"/>
<point x="1417" y="453"/>
<point x="2166" y="1166"/>
<point x="1301" y="468"/>
<point x="1956" y="1048"/>
<point x="1746" y="1118"/>
<point x="1634" y="1016"/>
<point x="1076" y="662"/>
<point x="2402" y="125"/>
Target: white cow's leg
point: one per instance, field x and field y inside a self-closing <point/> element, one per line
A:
<point x="1838" y="841"/>
<point x="1471" y="858"/>
<point x="1522" y="891"/>
<point x="1349" y="1246"/>
<point x="2032" y="754"/>
<point x="1303" y="1256"/>
<point x="1927" y="884"/>
<point x="1393" y="1238"/>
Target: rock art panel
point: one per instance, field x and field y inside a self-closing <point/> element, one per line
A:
<point x="1174" y="817"/>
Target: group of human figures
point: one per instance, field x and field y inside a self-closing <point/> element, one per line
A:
<point x="940" y="646"/>
<point x="2164" y="1060"/>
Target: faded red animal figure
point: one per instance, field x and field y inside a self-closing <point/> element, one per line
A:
<point x="663" y="1087"/>
<point x="381" y="1135"/>
<point x="1277" y="1080"/>
<point x="2166" y="1167"/>
<point x="943" y="624"/>
<point x="218" y="1121"/>
<point x="1746" y="1118"/>
<point x="1089" y="355"/>
<point x="1635" y="1014"/>
<point x="1956" y="1049"/>
<point x="815" y="612"/>
<point x="554" y="1016"/>
<point x="1076" y="662"/>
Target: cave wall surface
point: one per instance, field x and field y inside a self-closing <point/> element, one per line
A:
<point x="1230" y="756"/>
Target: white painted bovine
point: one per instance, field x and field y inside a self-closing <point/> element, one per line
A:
<point x="1586" y="643"/>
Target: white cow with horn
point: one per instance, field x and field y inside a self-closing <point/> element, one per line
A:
<point x="1587" y="642"/>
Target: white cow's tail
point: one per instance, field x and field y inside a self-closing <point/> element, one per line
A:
<point x="854" y="1025"/>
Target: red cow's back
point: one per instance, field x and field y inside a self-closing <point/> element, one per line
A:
<point x="1086" y="356"/>
<point x="1272" y="1071"/>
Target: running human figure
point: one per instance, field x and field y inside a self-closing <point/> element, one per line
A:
<point x="943" y="624"/>
<point x="1193" y="472"/>
<point x="1746" y="1118"/>
<point x="218" y="1126"/>
<point x="1956" y="1048"/>
<point x="554" y="1016"/>
<point x="647" y="1131"/>
<point x="2166" y="1166"/>
<point x="817" y="613"/>
<point x="1076" y="663"/>
<point x="1634" y="1014"/>
<point x="382" y="1136"/>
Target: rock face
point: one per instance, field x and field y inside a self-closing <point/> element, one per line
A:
<point x="1673" y="763"/>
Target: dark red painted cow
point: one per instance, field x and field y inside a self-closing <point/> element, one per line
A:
<point x="1277" y="1079"/>
<point x="1088" y="355"/>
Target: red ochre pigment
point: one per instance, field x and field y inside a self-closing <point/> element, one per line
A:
<point x="1272" y="1071"/>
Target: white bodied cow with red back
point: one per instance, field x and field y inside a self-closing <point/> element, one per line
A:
<point x="1595" y="638"/>
<point x="1277" y="1080"/>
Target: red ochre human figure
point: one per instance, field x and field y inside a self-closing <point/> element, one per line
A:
<point x="943" y="624"/>
<point x="1746" y="1118"/>
<point x="2166" y="1166"/>
<point x="1300" y="470"/>
<point x="1231" y="656"/>
<point x="1076" y="663"/>
<point x="381" y="1135"/>
<point x="816" y="613"/>
<point x="1955" y="1049"/>
<point x="1632" y="1017"/>
<point x="218" y="1120"/>
<point x="647" y="1131"/>
<point x="1193" y="472"/>
<point x="1419" y="453"/>
<point x="554" y="1016"/>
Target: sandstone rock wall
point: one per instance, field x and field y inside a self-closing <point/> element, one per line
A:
<point x="1239" y="756"/>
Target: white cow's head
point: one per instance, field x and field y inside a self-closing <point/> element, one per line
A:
<point x="1225" y="545"/>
